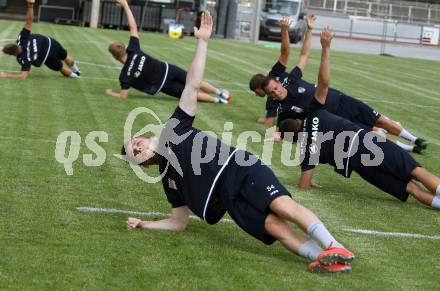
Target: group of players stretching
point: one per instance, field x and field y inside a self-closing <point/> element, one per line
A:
<point x="313" y="115"/>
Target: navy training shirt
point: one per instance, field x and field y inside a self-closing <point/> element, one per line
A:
<point x="35" y="48"/>
<point x="142" y="71"/>
<point x="188" y="182"/>
<point x="301" y="94"/>
<point x="315" y="126"/>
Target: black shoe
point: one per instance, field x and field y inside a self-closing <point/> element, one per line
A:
<point x="417" y="150"/>
<point x="422" y="143"/>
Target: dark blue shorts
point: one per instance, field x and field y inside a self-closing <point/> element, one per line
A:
<point x="175" y="82"/>
<point x="56" y="56"/>
<point x="357" y="111"/>
<point x="392" y="175"/>
<point x="247" y="193"/>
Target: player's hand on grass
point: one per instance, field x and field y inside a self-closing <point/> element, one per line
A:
<point x="326" y="37"/>
<point x="205" y="30"/>
<point x="275" y="138"/>
<point x="110" y="93"/>
<point x="133" y="223"/>
<point x="311" y="21"/>
<point x="285" y="22"/>
<point x="315" y="185"/>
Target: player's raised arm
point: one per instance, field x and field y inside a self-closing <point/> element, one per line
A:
<point x="130" y="18"/>
<point x="188" y="100"/>
<point x="29" y="15"/>
<point x="324" y="68"/>
<point x="305" y="50"/>
<point x="177" y="221"/>
<point x="285" y="40"/>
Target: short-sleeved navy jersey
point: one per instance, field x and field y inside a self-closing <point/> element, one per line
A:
<point x="301" y="96"/>
<point x="35" y="48"/>
<point x="278" y="71"/>
<point x="141" y="71"/>
<point x="186" y="181"/>
<point x="316" y="146"/>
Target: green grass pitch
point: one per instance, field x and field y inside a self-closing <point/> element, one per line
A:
<point x="46" y="244"/>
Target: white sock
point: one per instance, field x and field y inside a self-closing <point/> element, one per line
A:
<point x="404" y="146"/>
<point x="437" y="191"/>
<point x="74" y="67"/>
<point x="218" y="92"/>
<point x="73" y="75"/>
<point x="407" y="135"/>
<point x="320" y="233"/>
<point x="216" y="99"/>
<point x="310" y="250"/>
<point x="436" y="202"/>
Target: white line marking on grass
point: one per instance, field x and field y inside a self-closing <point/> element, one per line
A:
<point x="99" y="65"/>
<point x="139" y="213"/>
<point x="99" y="78"/>
<point x="393" y="234"/>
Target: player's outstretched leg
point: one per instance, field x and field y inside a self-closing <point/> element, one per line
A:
<point x="301" y="245"/>
<point x="286" y="208"/>
<point x="431" y="182"/>
<point x="70" y="62"/>
<point x="222" y="95"/>
<point x="396" y="129"/>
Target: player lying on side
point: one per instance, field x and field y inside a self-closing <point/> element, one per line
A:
<point x="294" y="96"/>
<point x="151" y="76"/>
<point x="251" y="194"/>
<point x="329" y="139"/>
<point x="37" y="50"/>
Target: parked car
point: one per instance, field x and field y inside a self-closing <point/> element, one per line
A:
<point x="272" y="13"/>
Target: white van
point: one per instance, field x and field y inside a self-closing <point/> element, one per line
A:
<point x="274" y="10"/>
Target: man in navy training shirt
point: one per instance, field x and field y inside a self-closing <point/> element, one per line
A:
<point x="329" y="139"/>
<point x="294" y="96"/>
<point x="37" y="50"/>
<point x="252" y="195"/>
<point x="151" y="76"/>
<point x="254" y="83"/>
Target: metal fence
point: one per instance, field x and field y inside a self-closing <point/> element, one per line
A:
<point x="375" y="29"/>
<point x="402" y="11"/>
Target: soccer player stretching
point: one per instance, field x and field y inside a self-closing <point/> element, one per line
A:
<point x="294" y="96"/>
<point x="37" y="50"/>
<point x="150" y="75"/>
<point x="251" y="194"/>
<point x="330" y="139"/>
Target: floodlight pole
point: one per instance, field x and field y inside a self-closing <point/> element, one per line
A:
<point x="94" y="18"/>
<point x="256" y="21"/>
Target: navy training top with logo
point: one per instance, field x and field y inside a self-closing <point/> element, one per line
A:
<point x="301" y="94"/>
<point x="279" y="71"/>
<point x="142" y="71"/>
<point x="186" y="180"/>
<point x="318" y="148"/>
<point x="35" y="48"/>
